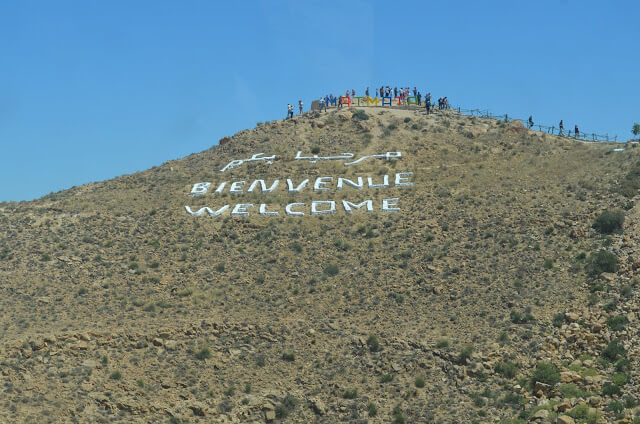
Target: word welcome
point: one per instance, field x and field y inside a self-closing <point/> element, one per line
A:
<point x="320" y="184"/>
<point x="318" y="207"/>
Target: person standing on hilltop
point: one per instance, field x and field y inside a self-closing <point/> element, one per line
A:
<point x="530" y="123"/>
<point x="395" y="91"/>
<point x="353" y="93"/>
<point x="419" y="98"/>
<point x="561" y="127"/>
<point x="427" y="103"/>
<point x="577" y="131"/>
<point x="366" y="92"/>
<point x="300" y="106"/>
<point x="289" y="111"/>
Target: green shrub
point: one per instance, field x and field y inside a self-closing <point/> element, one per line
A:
<point x="332" y="270"/>
<point x="511" y="398"/>
<point x="617" y="323"/>
<point x="580" y="411"/>
<point x="116" y="375"/>
<point x="601" y="261"/>
<point x="614" y="350"/>
<point x="203" y="353"/>
<point x="359" y="115"/>
<point x="620" y="379"/>
<point x="548" y="263"/>
<point x="465" y="354"/>
<point x="478" y="400"/>
<point x="398" y="417"/>
<point x="615" y="407"/>
<point x="419" y="382"/>
<point x="442" y="343"/>
<point x="571" y="391"/>
<point x="631" y="183"/>
<point x="558" y="320"/>
<point x="289" y="356"/>
<point x="609" y="221"/>
<point x="521" y="317"/>
<point x="286" y="406"/>
<point x="386" y="378"/>
<point x="630" y="402"/>
<point x="611" y="390"/>
<point x="506" y="369"/>
<point x="373" y="343"/>
<point x="546" y="373"/>
<point x="220" y="267"/>
<point x="623" y="365"/>
<point x="350" y="394"/>
<point x="372" y="409"/>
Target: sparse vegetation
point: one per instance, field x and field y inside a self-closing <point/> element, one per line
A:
<point x="289" y="356"/>
<point x="373" y="343"/>
<point x="506" y="369"/>
<point x="609" y="221"/>
<point x="203" y="353"/>
<point x="359" y="115"/>
<point x="601" y="261"/>
<point x="546" y="373"/>
<point x="285" y="407"/>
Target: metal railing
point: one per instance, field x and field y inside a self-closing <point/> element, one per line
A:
<point x="582" y="135"/>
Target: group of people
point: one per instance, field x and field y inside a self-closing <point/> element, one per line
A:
<point x="290" y="109"/>
<point x="402" y="94"/>
<point x="576" y="130"/>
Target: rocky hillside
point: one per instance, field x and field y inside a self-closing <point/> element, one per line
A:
<point x="492" y="280"/>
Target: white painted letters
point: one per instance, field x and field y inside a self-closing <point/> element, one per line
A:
<point x="296" y="189"/>
<point x="348" y="206"/>
<point x="315" y="204"/>
<point x="200" y="189"/>
<point x="289" y="211"/>
<point x="236" y="187"/>
<point x="320" y="183"/>
<point x="389" y="205"/>
<point x="241" y="209"/>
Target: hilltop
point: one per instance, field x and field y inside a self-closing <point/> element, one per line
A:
<point x="483" y="298"/>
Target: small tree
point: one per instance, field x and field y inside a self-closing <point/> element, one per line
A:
<point x="635" y="129"/>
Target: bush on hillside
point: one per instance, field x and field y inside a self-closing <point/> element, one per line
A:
<point x="546" y="373"/>
<point x="631" y="183"/>
<point x="614" y="350"/>
<point x="609" y="221"/>
<point x="360" y="115"/>
<point x="602" y="261"/>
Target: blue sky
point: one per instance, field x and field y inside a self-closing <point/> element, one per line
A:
<point x="90" y="90"/>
